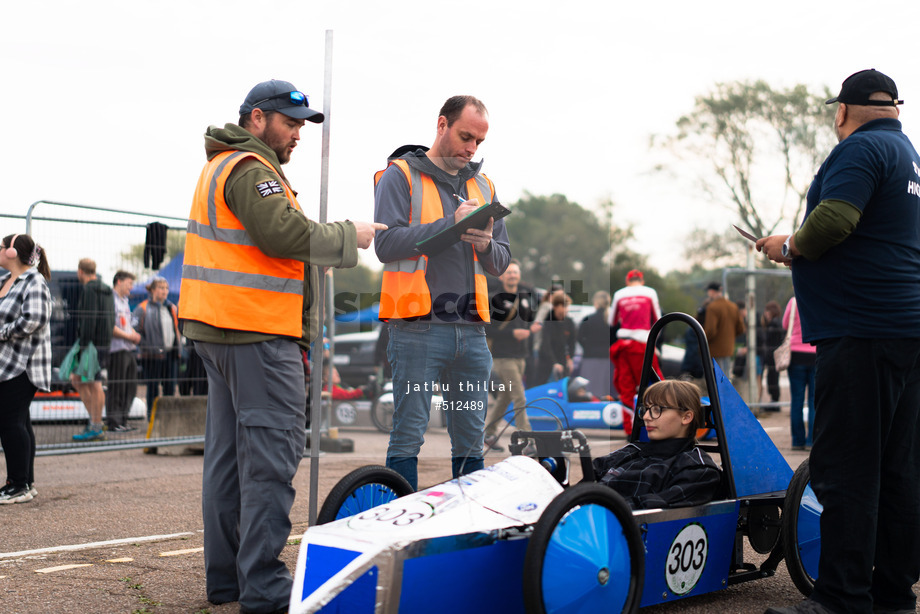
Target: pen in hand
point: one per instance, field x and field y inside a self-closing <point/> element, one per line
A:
<point x="459" y="198"/>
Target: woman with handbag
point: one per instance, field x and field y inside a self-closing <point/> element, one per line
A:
<point x="801" y="371"/>
<point x="25" y="358"/>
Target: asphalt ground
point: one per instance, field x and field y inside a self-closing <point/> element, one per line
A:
<point x="121" y="531"/>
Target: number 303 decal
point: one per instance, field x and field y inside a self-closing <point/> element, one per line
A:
<point x="686" y="559"/>
<point x="384" y="517"/>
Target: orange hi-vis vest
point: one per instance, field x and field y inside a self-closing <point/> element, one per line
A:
<point x="227" y="281"/>
<point x="404" y="292"/>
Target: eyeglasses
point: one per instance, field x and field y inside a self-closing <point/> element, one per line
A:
<point x="654" y="411"/>
<point x="295" y="98"/>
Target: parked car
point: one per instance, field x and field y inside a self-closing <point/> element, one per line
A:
<point x="355" y="352"/>
<point x="670" y="360"/>
<point x="65" y="293"/>
<point x="354" y="356"/>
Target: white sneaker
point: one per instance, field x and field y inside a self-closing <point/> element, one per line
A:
<point x="14" y="494"/>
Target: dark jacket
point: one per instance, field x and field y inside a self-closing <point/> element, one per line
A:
<point x="557" y="346"/>
<point x="148" y="322"/>
<point x="501" y="331"/>
<point x="769" y="337"/>
<point x="666" y="473"/>
<point x="692" y="362"/>
<point x="95" y="315"/>
<point x="596" y="336"/>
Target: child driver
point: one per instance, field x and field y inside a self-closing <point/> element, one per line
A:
<point x="669" y="470"/>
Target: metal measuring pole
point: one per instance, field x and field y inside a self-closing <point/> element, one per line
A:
<point x="316" y="381"/>
<point x="751" y="302"/>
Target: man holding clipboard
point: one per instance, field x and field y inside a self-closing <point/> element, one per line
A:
<point x="435" y="296"/>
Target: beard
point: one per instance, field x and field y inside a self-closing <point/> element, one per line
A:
<point x="282" y="151"/>
<point x="284" y="155"/>
<point x="278" y="143"/>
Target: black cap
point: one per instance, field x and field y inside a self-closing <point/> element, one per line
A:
<point x="714" y="285"/>
<point x="274" y="96"/>
<point x="857" y="88"/>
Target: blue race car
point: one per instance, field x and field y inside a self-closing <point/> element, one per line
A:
<point x="517" y="537"/>
<point x="556" y="405"/>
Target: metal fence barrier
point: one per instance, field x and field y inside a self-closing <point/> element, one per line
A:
<point x="115" y="239"/>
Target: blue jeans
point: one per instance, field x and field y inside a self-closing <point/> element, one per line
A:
<point x="801" y="376"/>
<point x="458" y="357"/>
<point x="725" y="363"/>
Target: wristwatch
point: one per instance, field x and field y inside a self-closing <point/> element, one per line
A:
<point x="786" y="252"/>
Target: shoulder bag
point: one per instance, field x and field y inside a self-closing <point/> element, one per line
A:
<point x="783" y="354"/>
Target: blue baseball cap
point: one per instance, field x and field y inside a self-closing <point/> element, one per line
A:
<point x="283" y="97"/>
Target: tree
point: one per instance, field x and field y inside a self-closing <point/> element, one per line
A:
<point x="707" y="249"/>
<point x="620" y="257"/>
<point x="560" y="240"/>
<point x="356" y="288"/>
<point x="761" y="145"/>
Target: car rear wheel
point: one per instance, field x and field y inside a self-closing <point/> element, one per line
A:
<point x="382" y="412"/>
<point x="802" y="530"/>
<point x="362" y="489"/>
<point x="585" y="555"/>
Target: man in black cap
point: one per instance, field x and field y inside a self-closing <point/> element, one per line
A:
<point x="856" y="269"/>
<point x="247" y="301"/>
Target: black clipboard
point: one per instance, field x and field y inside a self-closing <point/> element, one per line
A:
<point x="479" y="218"/>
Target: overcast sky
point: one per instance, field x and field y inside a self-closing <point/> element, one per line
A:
<point x="106" y="101"/>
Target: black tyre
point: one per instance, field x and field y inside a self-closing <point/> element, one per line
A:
<point x="362" y="489"/>
<point x="802" y="530"/>
<point x="585" y="555"/>
<point x="382" y="412"/>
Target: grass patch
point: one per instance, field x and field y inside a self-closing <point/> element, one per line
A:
<point x="131" y="584"/>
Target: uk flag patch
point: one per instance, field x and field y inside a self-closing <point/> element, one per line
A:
<point x="267" y="188"/>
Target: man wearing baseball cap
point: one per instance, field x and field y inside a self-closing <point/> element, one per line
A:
<point x="858" y="89"/>
<point x="856" y="269"/>
<point x="248" y="301"/>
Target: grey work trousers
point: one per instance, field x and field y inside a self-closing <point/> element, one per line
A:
<point x="254" y="440"/>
